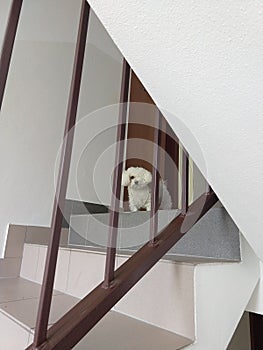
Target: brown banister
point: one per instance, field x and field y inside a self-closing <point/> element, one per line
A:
<point x="8" y="44"/>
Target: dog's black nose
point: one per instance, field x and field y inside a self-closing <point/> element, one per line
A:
<point x="136" y="182"/>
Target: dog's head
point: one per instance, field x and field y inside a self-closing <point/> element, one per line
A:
<point x="136" y="177"/>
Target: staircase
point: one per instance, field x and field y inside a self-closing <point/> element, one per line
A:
<point x="175" y="263"/>
<point x="18" y="309"/>
<point x="188" y="290"/>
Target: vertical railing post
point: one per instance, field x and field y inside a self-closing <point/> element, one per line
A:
<point x="185" y="182"/>
<point x="208" y="188"/>
<point x="171" y="168"/>
<point x="51" y="260"/>
<point x="8" y="45"/>
<point x="155" y="178"/>
<point x="117" y="174"/>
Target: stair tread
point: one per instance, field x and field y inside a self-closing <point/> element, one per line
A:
<point x="19" y="300"/>
<point x="120" y="332"/>
<point x="15" y="289"/>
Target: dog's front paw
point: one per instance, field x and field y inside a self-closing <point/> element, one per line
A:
<point x="148" y="207"/>
<point x="133" y="208"/>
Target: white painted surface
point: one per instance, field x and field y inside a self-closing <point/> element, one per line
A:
<point x="95" y="134"/>
<point x="34" y="109"/>
<point x="4" y="11"/>
<point x="164" y="297"/>
<point x="44" y="20"/>
<point x="256" y="302"/>
<point x="13" y="336"/>
<point x="221" y="295"/>
<point x="201" y="61"/>
<point x="31" y="127"/>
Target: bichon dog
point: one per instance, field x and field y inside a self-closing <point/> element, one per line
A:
<point x="138" y="181"/>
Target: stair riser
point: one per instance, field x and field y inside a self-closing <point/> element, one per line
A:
<point x="78" y="272"/>
<point x="214" y="238"/>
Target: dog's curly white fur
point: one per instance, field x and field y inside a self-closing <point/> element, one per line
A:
<point x="138" y="181"/>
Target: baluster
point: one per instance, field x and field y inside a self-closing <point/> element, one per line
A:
<point x="155" y="179"/>
<point x="185" y="181"/>
<point x="117" y="174"/>
<point x="51" y="260"/>
<point x="8" y="45"/>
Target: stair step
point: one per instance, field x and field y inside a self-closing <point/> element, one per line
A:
<point x="214" y="238"/>
<point x="80" y="271"/>
<point x="119" y="332"/>
<point x="18" y="307"/>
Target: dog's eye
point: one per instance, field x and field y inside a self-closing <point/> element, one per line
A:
<point x="132" y="177"/>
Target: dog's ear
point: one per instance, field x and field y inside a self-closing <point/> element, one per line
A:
<point x="125" y="180"/>
<point x="148" y="177"/>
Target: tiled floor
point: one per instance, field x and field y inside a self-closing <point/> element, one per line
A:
<point x="78" y="272"/>
<point x="18" y="307"/>
<point x="14" y="289"/>
<point x="19" y="299"/>
<point x="119" y="332"/>
<point x="25" y="311"/>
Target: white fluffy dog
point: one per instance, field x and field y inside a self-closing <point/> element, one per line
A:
<point x="138" y="181"/>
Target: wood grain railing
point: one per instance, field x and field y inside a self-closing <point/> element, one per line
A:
<point x="8" y="44"/>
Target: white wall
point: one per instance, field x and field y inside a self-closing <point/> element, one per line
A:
<point x="92" y="164"/>
<point x="4" y="10"/>
<point x="201" y="61"/>
<point x="34" y="109"/>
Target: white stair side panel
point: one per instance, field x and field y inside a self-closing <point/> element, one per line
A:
<point x="256" y="302"/>
<point x="222" y="293"/>
<point x="164" y="297"/>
